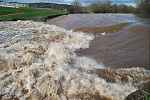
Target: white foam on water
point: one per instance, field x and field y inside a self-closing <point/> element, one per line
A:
<point x="33" y="62"/>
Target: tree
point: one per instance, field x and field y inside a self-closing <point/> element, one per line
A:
<point x="76" y="7"/>
<point x="143" y="7"/>
<point x="101" y="6"/>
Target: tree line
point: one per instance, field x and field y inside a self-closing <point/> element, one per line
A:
<point x="100" y="7"/>
<point x="142" y="7"/>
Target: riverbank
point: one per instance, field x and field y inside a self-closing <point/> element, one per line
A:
<point x="26" y="13"/>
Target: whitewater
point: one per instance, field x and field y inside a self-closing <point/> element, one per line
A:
<point x="38" y="62"/>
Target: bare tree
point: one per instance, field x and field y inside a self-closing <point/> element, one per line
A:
<point x="76" y="6"/>
<point x="100" y="6"/>
<point x="143" y="7"/>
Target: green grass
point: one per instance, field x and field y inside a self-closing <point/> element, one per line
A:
<point x="11" y="14"/>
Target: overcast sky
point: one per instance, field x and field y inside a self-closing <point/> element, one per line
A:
<point x="69" y="1"/>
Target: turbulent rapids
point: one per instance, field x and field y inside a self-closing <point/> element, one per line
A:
<point x="38" y="62"/>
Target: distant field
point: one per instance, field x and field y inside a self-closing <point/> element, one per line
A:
<point x="38" y="14"/>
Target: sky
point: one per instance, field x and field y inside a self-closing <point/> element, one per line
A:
<point x="128" y="2"/>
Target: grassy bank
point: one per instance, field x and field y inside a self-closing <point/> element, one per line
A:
<point x="37" y="14"/>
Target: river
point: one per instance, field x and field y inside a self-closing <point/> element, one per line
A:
<point x="128" y="46"/>
<point x="38" y="60"/>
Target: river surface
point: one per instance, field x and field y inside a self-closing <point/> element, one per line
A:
<point x="128" y="47"/>
<point x="40" y="58"/>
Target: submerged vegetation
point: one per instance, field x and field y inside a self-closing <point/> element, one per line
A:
<point x="26" y="13"/>
<point x="107" y="29"/>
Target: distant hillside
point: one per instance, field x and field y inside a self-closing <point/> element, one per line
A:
<point x="49" y="5"/>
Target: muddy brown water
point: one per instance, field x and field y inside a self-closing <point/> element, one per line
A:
<point x="128" y="47"/>
<point x="120" y="49"/>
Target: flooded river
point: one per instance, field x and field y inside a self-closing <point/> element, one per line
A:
<point x="119" y="45"/>
<point x="42" y="61"/>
